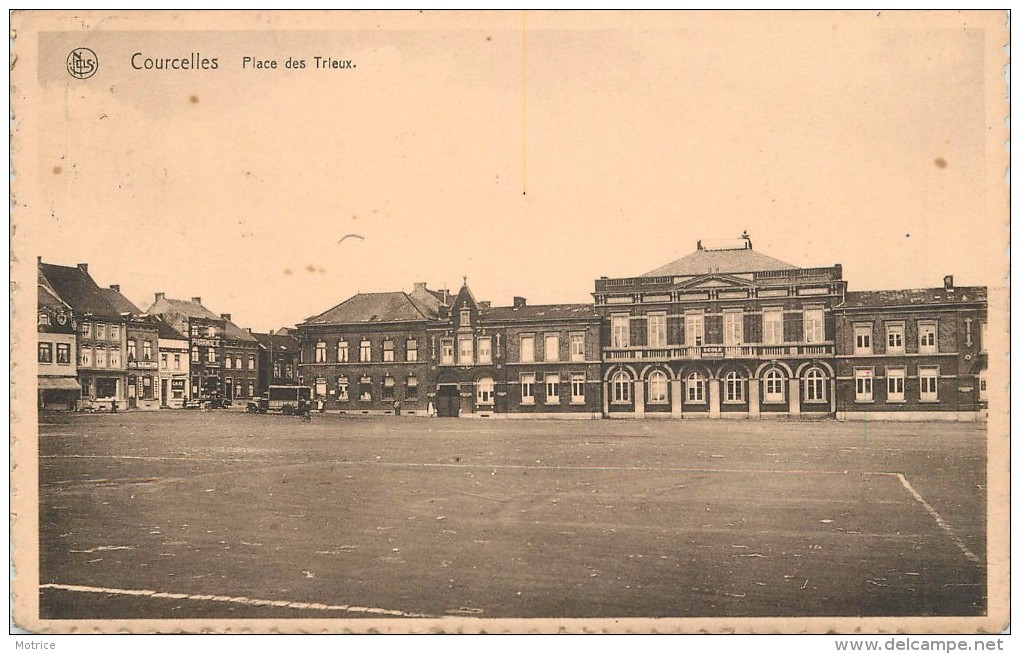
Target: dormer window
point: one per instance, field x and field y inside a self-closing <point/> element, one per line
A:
<point x="44" y="318"/>
<point x="465" y="316"/>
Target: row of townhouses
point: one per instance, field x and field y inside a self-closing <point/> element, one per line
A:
<point x="724" y="332"/>
<point x="98" y="350"/>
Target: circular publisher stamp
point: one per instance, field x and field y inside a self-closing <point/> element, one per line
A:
<point x="82" y="63"/>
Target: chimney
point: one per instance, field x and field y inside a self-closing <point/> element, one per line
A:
<point x="485" y="304"/>
<point x="115" y="287"/>
<point x="519" y="302"/>
<point x="419" y="287"/>
<point x="197" y="300"/>
<point x="84" y="267"/>
<point x="248" y="329"/>
<point x="225" y="316"/>
<point x="160" y="296"/>
<point x="948" y="282"/>
<point x="38" y="260"/>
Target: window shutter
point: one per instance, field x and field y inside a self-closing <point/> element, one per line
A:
<point x="793" y="326"/>
<point x="752" y="328"/>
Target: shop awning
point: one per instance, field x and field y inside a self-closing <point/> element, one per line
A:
<point x="59" y="384"/>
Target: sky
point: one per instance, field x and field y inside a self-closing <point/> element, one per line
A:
<point x="529" y="152"/>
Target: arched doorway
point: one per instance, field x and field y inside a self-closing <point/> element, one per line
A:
<point x="447" y="400"/>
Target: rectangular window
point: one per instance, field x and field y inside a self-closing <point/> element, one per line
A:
<point x="446" y="351"/>
<point x="412" y="349"/>
<point x="343" y="354"/>
<point x="320" y="386"/>
<point x="164" y="360"/>
<point x="366" y="351"/>
<point x="862" y="339"/>
<point x="387" y="351"/>
<point x="864" y="384"/>
<point x="552" y="347"/>
<point x="100" y="357"/>
<point x="64" y="353"/>
<point x="343" y="389"/>
<point x="983" y="386"/>
<point x="485" y="349"/>
<point x="484" y="388"/>
<point x="621" y="331"/>
<point x="320" y="352"/>
<point x="115" y="358"/>
<point x="86" y="356"/>
<point x="734" y="388"/>
<point x="177" y="362"/>
<point x="528" y="388"/>
<point x="577" y="347"/>
<point x="694" y="329"/>
<point x="412" y="388"/>
<point x="657" y="330"/>
<point x="984" y="336"/>
<point x="465" y="350"/>
<point x="577" y="388"/>
<point x="45" y="352"/>
<point x="86" y="330"/>
<point x="894" y="338"/>
<point x="228" y="362"/>
<point x="733" y="327"/>
<point x="194" y="354"/>
<point x="465" y="317"/>
<point x="251" y="362"/>
<point x="288" y="369"/>
<point x="772" y="326"/>
<point x="894" y="384"/>
<point x="132" y="349"/>
<point x="927" y="337"/>
<point x="527" y="348"/>
<point x="388" y="385"/>
<point x="929" y="378"/>
<point x="276" y="370"/>
<point x="147" y="388"/>
<point x="814" y="325"/>
<point x="210" y="355"/>
<point x="552" y="389"/>
<point x="365" y="389"/>
<point x="114" y="332"/>
<point x="100" y="331"/>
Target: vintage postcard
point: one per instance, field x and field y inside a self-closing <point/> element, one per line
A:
<point x="516" y="321"/>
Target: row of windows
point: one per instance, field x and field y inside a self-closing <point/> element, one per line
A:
<point x="229" y="361"/>
<point x="734" y="387"/>
<point x="101" y="358"/>
<point x="232" y="389"/>
<point x="132" y="350"/>
<point x="733" y="327"/>
<point x="927" y="337"/>
<point x="63" y="353"/>
<point x="102" y="330"/>
<point x="895" y="384"/>
<point x="364" y="388"/>
<point x="343" y="351"/>
<point x="553" y="386"/>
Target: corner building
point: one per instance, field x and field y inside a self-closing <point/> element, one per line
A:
<point x="724" y="332"/>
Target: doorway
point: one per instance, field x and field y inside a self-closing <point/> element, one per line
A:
<point x="447" y="401"/>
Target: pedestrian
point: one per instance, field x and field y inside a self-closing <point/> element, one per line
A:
<point x="113" y="406"/>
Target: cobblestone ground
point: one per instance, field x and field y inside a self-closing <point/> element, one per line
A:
<point x="221" y="514"/>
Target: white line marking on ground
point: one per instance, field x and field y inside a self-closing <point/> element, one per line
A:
<point x="246" y="601"/>
<point x="507" y="466"/>
<point x="938" y="520"/>
<point x="151" y="458"/>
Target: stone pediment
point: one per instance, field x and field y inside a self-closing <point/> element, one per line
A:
<point x="713" y="280"/>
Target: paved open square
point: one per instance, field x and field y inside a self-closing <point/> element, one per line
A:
<point x="222" y="514"/>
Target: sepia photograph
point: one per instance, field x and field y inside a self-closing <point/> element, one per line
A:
<point x="510" y="322"/>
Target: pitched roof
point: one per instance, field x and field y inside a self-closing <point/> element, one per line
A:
<point x="119" y="302"/>
<point x="548" y="312"/>
<point x="77" y="288"/>
<point x="193" y="309"/>
<point x="166" y="331"/>
<point x="49" y="300"/>
<point x="372" y="307"/>
<point x="914" y="297"/>
<point x="703" y="262"/>
<point x="278" y="342"/>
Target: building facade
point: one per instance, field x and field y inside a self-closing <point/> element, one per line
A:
<point x="279" y="355"/>
<point x="101" y="335"/>
<point x="725" y="332"/>
<point x="58" y="387"/>
<point x="141" y="344"/>
<point x="912" y="354"/>
<point x="174" y="366"/>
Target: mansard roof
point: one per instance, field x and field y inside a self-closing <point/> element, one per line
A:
<point x="395" y="306"/>
<point x="729" y="260"/>
<point x="540" y="312"/>
<point x="915" y="297"/>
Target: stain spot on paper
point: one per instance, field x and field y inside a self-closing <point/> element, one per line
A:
<point x="310" y="268"/>
<point x="57" y="170"/>
<point x="940" y="162"/>
<point x="287" y="272"/>
<point x="193" y="99"/>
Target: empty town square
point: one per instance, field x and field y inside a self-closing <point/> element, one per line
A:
<point x="211" y="514"/>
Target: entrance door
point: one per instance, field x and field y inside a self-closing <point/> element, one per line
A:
<point x="448" y="401"/>
<point x="228" y="388"/>
<point x="163" y="393"/>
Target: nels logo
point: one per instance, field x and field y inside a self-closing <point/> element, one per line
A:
<point x="82" y="63"/>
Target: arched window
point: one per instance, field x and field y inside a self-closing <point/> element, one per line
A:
<point x="657" y="387"/>
<point x="734" y="387"/>
<point x="695" y="387"/>
<point x="320" y="352"/>
<point x="620" y="388"/>
<point x="775" y="388"/>
<point x="814" y="385"/>
<point x="484" y="390"/>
